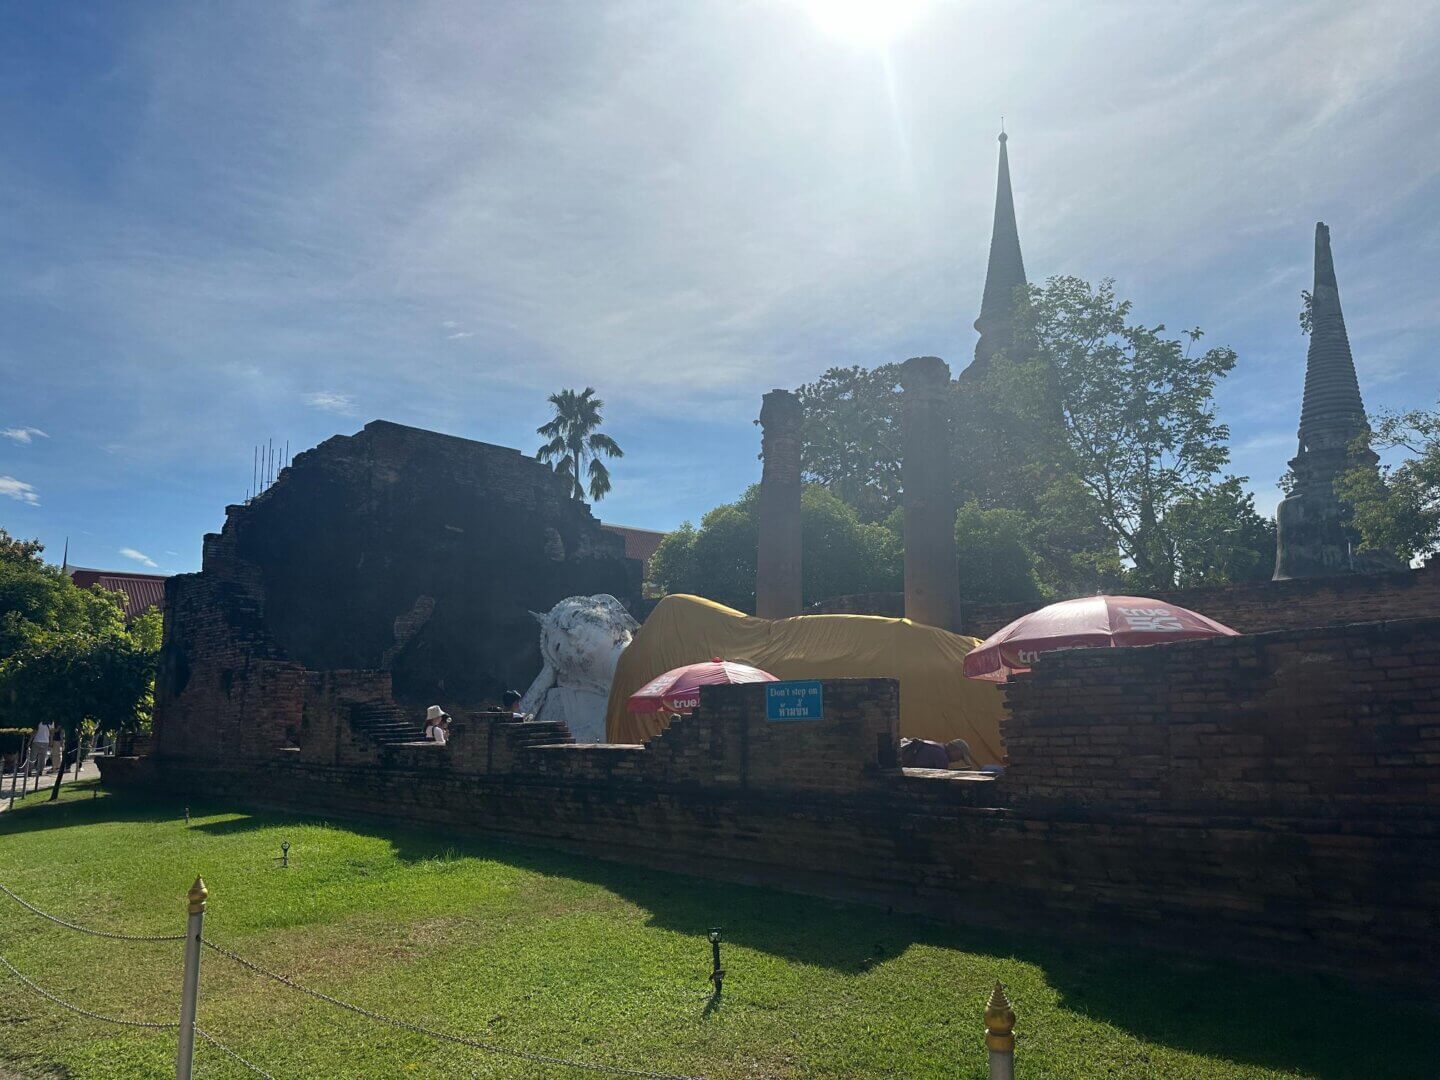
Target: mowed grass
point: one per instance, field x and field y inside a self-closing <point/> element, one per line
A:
<point x="553" y="954"/>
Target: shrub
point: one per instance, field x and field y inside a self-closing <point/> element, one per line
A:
<point x="12" y="739"/>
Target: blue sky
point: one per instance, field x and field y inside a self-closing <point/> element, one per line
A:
<point x="223" y="223"/>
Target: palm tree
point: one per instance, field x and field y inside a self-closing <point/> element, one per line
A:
<point x="574" y="441"/>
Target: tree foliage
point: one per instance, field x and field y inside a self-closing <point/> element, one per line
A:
<point x="575" y="443"/>
<point x="1398" y="509"/>
<point x="1215" y="536"/>
<point x="1013" y="453"/>
<point x="996" y="562"/>
<point x="1141" y="433"/>
<point x="37" y="598"/>
<point x="1095" y="432"/>
<point x="66" y="654"/>
<point x="851" y="443"/>
<point x="839" y="552"/>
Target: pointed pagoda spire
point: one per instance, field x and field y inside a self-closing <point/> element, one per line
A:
<point x="1006" y="270"/>
<point x="1313" y="535"/>
<point x="1332" y="413"/>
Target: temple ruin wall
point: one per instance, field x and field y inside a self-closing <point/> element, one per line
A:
<point x="1280" y="793"/>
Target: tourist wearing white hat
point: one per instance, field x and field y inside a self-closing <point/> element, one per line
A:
<point x="437" y="724"/>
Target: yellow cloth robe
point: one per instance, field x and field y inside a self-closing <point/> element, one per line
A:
<point x="936" y="700"/>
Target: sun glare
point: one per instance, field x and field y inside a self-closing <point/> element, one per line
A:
<point x="864" y="22"/>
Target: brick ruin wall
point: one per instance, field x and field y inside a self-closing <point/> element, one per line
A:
<point x="1340" y="722"/>
<point x="400" y="563"/>
<point x="1278" y="792"/>
<point x="1254" y="607"/>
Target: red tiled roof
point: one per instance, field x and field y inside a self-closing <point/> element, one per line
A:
<point x="142" y="591"/>
<point x="639" y="543"/>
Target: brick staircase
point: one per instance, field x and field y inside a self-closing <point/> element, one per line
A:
<point x="387" y="724"/>
<point x="390" y="724"/>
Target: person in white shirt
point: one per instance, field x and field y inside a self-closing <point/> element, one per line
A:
<point x="40" y="745"/>
<point x="437" y="724"/>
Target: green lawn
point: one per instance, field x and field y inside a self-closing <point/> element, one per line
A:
<point x="556" y="954"/>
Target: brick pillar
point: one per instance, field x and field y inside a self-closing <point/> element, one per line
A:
<point x="932" y="585"/>
<point x="777" y="563"/>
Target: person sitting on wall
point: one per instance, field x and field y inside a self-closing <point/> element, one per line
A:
<point x="928" y="754"/>
<point x="510" y="703"/>
<point x="437" y="724"/>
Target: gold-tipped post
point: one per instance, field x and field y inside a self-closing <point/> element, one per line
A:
<point x="190" y="988"/>
<point x="1000" y="1035"/>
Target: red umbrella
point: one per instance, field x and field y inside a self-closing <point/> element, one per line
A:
<point x="1087" y="623"/>
<point x="679" y="690"/>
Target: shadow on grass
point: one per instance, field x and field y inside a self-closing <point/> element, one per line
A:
<point x="1222" y="1009"/>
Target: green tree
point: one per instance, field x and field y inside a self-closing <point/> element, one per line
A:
<point x="36" y="597"/>
<point x="1140" y="428"/>
<point x="839" y="552"/>
<point x="68" y="679"/>
<point x="576" y="444"/>
<point x="66" y="654"/>
<point x="1397" y="510"/>
<point x="851" y="443"/>
<point x="995" y="559"/>
<point x="1217" y="537"/>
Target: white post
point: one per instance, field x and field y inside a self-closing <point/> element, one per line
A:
<point x="1000" y="1035"/>
<point x="185" y="1053"/>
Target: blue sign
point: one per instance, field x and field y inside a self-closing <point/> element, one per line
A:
<point x="794" y="701"/>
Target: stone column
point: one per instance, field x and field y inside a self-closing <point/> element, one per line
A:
<point x="777" y="563"/>
<point x="932" y="585"/>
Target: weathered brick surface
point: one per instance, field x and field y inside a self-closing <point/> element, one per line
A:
<point x="1137" y="833"/>
<point x="1323" y="723"/>
<point x="402" y="563"/>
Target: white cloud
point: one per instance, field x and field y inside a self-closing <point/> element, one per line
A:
<point x="459" y="335"/>
<point x="343" y="404"/>
<point x="19" y="490"/>
<point x="140" y="557"/>
<point x="23" y="434"/>
<point x="804" y="202"/>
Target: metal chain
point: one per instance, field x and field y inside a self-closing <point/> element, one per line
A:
<point x="226" y="1050"/>
<point x="85" y="929"/>
<point x="524" y="1055"/>
<point x="86" y="1012"/>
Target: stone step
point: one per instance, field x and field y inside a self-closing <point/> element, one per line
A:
<point x="387" y="725"/>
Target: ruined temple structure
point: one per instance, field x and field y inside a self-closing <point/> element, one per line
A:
<point x="1003" y="275"/>
<point x="990" y="438"/>
<point x="778" y="581"/>
<point x="1312" y="538"/>
<point x="1278" y="793"/>
<point x="932" y="584"/>
<point x="392" y="568"/>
